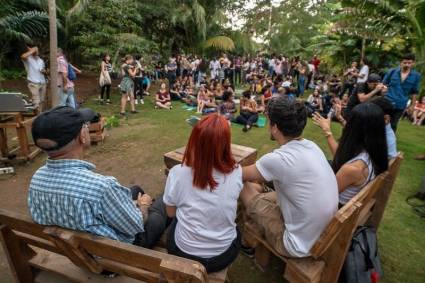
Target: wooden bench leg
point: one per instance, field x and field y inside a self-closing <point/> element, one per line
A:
<point x="262" y="256"/>
<point x="21" y="270"/>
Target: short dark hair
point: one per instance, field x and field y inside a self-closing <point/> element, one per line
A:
<point x="384" y="104"/>
<point x="226" y="95"/>
<point x="290" y="116"/>
<point x="408" y="56"/>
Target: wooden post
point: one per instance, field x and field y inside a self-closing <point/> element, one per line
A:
<point x="22" y="137"/>
<point x="53" y="53"/>
<point x="3" y="143"/>
<point x="21" y="270"/>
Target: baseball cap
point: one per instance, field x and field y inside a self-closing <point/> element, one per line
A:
<point x="61" y="125"/>
<point x="374" y="78"/>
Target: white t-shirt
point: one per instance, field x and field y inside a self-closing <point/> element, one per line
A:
<point x="206" y="220"/>
<point x="307" y="192"/>
<point x="363" y="71"/>
<point x="34" y="66"/>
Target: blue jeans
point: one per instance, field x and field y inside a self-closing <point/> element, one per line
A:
<point x="67" y="98"/>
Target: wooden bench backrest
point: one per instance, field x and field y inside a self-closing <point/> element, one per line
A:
<point x="383" y="195"/>
<point x="95" y="253"/>
<point x="334" y="242"/>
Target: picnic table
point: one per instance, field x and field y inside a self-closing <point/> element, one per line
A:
<point x="243" y="155"/>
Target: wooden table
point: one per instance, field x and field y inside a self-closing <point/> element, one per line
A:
<point x="16" y="120"/>
<point x="243" y="155"/>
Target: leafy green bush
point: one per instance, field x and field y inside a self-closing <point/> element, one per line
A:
<point x="112" y="121"/>
<point x="9" y="74"/>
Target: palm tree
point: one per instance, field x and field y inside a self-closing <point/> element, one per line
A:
<point x="53" y="53"/>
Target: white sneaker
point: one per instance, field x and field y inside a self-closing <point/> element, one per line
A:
<point x="136" y="101"/>
<point x="142" y="101"/>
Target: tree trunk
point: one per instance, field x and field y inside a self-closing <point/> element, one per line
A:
<point x="54" y="98"/>
<point x="363" y="48"/>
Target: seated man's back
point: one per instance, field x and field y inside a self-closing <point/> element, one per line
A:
<point x="67" y="193"/>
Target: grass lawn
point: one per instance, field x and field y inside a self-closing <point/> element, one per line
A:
<point x="401" y="235"/>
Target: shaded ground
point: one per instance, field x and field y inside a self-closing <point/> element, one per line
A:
<point x="133" y="153"/>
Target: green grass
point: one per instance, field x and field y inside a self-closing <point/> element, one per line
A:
<point x="401" y="234"/>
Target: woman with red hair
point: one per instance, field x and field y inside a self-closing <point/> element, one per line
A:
<point x="202" y="195"/>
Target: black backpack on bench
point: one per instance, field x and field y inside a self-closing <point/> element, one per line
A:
<point x="362" y="264"/>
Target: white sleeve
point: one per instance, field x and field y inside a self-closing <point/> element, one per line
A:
<point x="269" y="166"/>
<point x="171" y="190"/>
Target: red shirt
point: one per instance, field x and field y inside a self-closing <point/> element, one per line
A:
<point x="316" y="63"/>
<point x="164" y="95"/>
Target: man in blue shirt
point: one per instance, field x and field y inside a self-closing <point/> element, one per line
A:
<point x="403" y="84"/>
<point x="67" y="192"/>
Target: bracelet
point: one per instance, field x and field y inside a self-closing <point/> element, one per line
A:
<point x="328" y="134"/>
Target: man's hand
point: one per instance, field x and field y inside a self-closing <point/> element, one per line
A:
<point x="144" y="200"/>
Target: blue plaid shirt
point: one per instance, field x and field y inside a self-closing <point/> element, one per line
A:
<point x="69" y="194"/>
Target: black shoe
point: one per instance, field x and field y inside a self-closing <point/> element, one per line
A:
<point x="245" y="129"/>
<point x="248" y="251"/>
<point x="134" y="112"/>
<point x="122" y="113"/>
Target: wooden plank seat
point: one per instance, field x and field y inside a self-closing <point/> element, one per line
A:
<point x="328" y="253"/>
<point x="36" y="252"/>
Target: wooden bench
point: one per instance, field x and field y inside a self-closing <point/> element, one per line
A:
<point x="47" y="254"/>
<point x="328" y="253"/>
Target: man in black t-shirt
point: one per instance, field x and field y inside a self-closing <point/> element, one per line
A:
<point x="365" y="91"/>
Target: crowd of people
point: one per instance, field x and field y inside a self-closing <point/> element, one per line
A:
<point x="290" y="194"/>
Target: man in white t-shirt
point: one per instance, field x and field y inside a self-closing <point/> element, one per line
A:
<point x="36" y="70"/>
<point x="293" y="217"/>
<point x="364" y="72"/>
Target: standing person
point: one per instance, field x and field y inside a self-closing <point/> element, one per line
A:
<point x="294" y="216"/>
<point x="214" y="69"/>
<point x="349" y="79"/>
<point x="65" y="85"/>
<point x="315" y="62"/>
<point x="302" y="71"/>
<point x="105" y="81"/>
<point x="403" y="84"/>
<point x="138" y="80"/>
<point x="364" y="92"/>
<point x="202" y="67"/>
<point x="36" y="70"/>
<point x="171" y="70"/>
<point x="127" y="85"/>
<point x="364" y="72"/>
<point x="238" y="70"/>
<point x="202" y="194"/>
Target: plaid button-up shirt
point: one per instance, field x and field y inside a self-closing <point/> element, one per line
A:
<point x="69" y="194"/>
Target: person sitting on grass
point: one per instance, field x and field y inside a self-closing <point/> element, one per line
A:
<point x="162" y="98"/>
<point x="305" y="199"/>
<point x="314" y="102"/>
<point x="419" y="112"/>
<point x="206" y="101"/>
<point x="248" y="111"/>
<point x="228" y="107"/>
<point x="202" y="194"/>
<point x="68" y="193"/>
<point x="127" y="85"/>
<point x="362" y="153"/>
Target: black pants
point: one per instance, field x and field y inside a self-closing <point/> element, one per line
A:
<point x="106" y="88"/>
<point x="247" y="118"/>
<point x="157" y="222"/>
<point x="395" y="118"/>
<point x="138" y="87"/>
<point x="212" y="264"/>
<point x="238" y="76"/>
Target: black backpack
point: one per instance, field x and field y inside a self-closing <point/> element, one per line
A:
<point x="362" y="264"/>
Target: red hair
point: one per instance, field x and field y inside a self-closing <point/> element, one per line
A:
<point x="209" y="148"/>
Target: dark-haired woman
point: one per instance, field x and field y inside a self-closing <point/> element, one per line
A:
<point x="228" y="107"/>
<point x="248" y="113"/>
<point x="202" y="195"/>
<point x="105" y="78"/>
<point x="361" y="154"/>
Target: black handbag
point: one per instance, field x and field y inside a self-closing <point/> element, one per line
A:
<point x="362" y="263"/>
